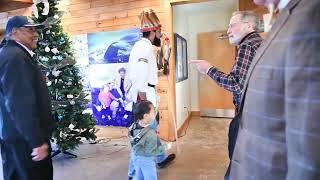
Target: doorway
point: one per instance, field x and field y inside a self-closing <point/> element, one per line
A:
<point x="190" y="21"/>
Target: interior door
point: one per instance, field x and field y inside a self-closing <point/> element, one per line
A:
<point x="214" y="100"/>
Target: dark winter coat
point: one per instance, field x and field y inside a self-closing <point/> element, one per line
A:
<point x="25" y="107"/>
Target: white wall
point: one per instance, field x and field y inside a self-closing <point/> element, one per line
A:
<point x="183" y="102"/>
<point x="188" y="21"/>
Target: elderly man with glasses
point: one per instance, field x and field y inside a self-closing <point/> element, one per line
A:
<point x="242" y="32"/>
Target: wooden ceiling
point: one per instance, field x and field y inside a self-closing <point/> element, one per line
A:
<point x="9" y="5"/>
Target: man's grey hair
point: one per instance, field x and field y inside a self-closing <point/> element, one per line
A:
<point x="248" y="16"/>
<point x="8" y="36"/>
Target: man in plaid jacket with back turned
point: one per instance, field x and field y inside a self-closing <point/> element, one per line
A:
<point x="242" y="33"/>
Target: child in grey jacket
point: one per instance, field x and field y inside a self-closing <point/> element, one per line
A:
<point x="144" y="141"/>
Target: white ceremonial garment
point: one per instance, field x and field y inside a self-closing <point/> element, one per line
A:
<point x="143" y="70"/>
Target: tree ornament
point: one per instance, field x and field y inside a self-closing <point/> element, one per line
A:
<point x="70" y="96"/>
<point x="47" y="49"/>
<point x="54" y="50"/>
<point x="56" y="73"/>
<point x="72" y="102"/>
<point x="71" y="126"/>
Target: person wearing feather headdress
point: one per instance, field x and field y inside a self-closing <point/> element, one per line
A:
<point x="143" y="73"/>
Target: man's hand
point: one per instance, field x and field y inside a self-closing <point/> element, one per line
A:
<point x="202" y="65"/>
<point x="40" y="153"/>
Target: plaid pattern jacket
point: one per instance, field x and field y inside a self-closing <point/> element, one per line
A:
<point x="279" y="133"/>
<point x="234" y="81"/>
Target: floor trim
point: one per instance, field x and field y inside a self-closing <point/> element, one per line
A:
<point x="183" y="129"/>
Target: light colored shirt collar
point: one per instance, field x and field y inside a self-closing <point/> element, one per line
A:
<point x="283" y="3"/>
<point x="29" y="51"/>
<point x="147" y="40"/>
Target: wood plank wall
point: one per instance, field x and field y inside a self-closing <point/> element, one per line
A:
<point x="87" y="16"/>
<point x="245" y="5"/>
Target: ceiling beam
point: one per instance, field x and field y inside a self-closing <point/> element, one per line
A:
<point x="180" y="2"/>
<point x="9" y="5"/>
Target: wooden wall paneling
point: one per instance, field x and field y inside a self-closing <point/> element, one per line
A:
<point x="79" y="20"/>
<point x="120" y="14"/>
<point x="3" y="21"/>
<point x="2" y="32"/>
<point x="3" y="15"/>
<point x="100" y="3"/>
<point x="246" y="5"/>
<point x="83" y="26"/>
<point x="9" y="5"/>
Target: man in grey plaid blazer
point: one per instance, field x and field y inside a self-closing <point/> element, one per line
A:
<point x="279" y="135"/>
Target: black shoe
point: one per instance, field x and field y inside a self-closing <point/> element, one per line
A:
<point x="130" y="178"/>
<point x="167" y="161"/>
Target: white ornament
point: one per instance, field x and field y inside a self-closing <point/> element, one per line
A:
<point x="56" y="16"/>
<point x="71" y="126"/>
<point x="87" y="111"/>
<point x="54" y="50"/>
<point x="61" y="134"/>
<point x="56" y="73"/>
<point x="43" y="58"/>
<point x="72" y="102"/>
<point x="60" y="58"/>
<point x="70" y="96"/>
<point x="48" y="32"/>
<point x="49" y="83"/>
<point x="69" y="83"/>
<point x="47" y="74"/>
<point x="47" y="49"/>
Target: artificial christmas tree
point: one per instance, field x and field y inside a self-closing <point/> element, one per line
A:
<point x="55" y="56"/>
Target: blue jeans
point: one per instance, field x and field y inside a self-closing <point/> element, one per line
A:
<point x="145" y="168"/>
<point x="158" y="159"/>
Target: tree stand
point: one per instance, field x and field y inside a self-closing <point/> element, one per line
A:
<point x="64" y="152"/>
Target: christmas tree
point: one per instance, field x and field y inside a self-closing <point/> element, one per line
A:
<point x="55" y="55"/>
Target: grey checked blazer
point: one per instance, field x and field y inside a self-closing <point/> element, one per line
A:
<point x="279" y="135"/>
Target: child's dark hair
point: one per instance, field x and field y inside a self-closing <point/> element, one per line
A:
<point x="140" y="109"/>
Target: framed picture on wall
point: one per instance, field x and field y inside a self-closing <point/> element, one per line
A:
<point x="181" y="56"/>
